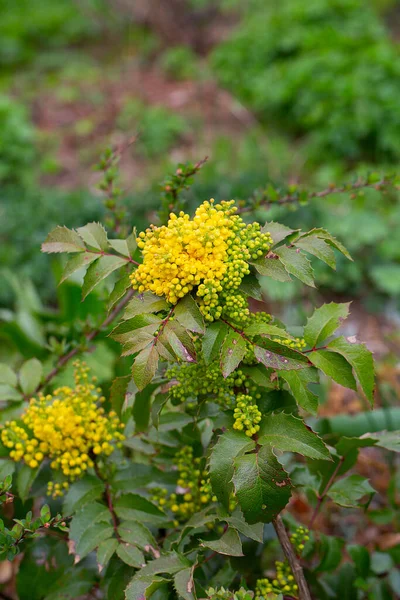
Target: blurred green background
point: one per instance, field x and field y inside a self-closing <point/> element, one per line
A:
<point x="301" y="91"/>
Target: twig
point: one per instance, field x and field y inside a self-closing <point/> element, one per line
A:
<point x="63" y="360"/>
<point x="108" y="499"/>
<point x="297" y="570"/>
<point x="322" y="497"/>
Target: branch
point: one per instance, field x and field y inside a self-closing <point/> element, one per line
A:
<point x="297" y="570"/>
<point x="270" y="196"/>
<point x="91" y="335"/>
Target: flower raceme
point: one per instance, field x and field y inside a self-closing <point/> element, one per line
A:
<point x="208" y="254"/>
<point x="67" y="427"/>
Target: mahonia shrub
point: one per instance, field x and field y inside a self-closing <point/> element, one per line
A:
<point x="163" y="482"/>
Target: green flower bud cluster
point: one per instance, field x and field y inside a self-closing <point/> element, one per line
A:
<point x="299" y="539"/>
<point x="193" y="491"/>
<point x="223" y="594"/>
<point x="247" y="415"/>
<point x="296" y="344"/>
<point x="235" y="307"/>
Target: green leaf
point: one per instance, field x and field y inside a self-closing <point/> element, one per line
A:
<point x="79" y="261"/>
<point x="91" y="538"/>
<point x="331" y="551"/>
<point x="7" y="375"/>
<point x="179" y="340"/>
<point x="350" y="490"/>
<point x="145" y="367"/>
<point x="381" y="562"/>
<point x="142" y="587"/>
<point x="329" y="239"/>
<point x="229" y="445"/>
<point x="82" y="492"/>
<point x="188" y="314"/>
<point x="212" y="340"/>
<point x="25" y="478"/>
<point x="131" y="242"/>
<point x="138" y="534"/>
<point x="30" y="375"/>
<point x="86" y="517"/>
<point x="279" y="357"/>
<point x="317" y="247"/>
<point x="94" y="234"/>
<point x="120" y="288"/>
<point x="254" y="532"/>
<point x="120" y="246"/>
<point x="324" y="322"/>
<point x="131" y="555"/>
<point x="335" y="366"/>
<point x="361" y="559"/>
<point x="127" y="331"/>
<point x="267" y="329"/>
<point x="99" y="270"/>
<point x="105" y="551"/>
<point x="260" y="375"/>
<point x="298" y="382"/>
<point x="390" y="440"/>
<point x="184" y="584"/>
<point x="250" y="286"/>
<point x="144" y="303"/>
<point x="228" y="544"/>
<point x="289" y="433"/>
<point x="232" y="352"/>
<point x="141" y="407"/>
<point x="362" y="362"/>
<point x="348" y="444"/>
<point x="277" y="231"/>
<point x="133" y="507"/>
<point x="9" y="393"/>
<point x="297" y="264"/>
<point x="271" y="266"/>
<point x="262" y="486"/>
<point x="118" y="391"/>
<point x="62" y="239"/>
<point x="171" y="564"/>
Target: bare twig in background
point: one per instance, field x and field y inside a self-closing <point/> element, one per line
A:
<point x="297" y="570"/>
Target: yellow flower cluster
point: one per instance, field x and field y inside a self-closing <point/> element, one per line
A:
<point x="208" y="254"/>
<point x="247" y="415"/>
<point x="193" y="489"/>
<point x="67" y="427"/>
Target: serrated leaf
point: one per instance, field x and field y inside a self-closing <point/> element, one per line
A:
<point x="272" y="267"/>
<point x="94" y="234"/>
<point x="331" y="552"/>
<point x="91" y="538"/>
<point x="212" y="340"/>
<point x="105" y="551"/>
<point x="120" y="246"/>
<point x="143" y="587"/>
<point x="188" y="314"/>
<point x="329" y="239"/>
<point x="126" y="331"/>
<point x="317" y="247"/>
<point x="254" y="532"/>
<point x="140" y="340"/>
<point x="250" y="287"/>
<point x="334" y="365"/>
<point x="280" y="357"/>
<point x="350" y="490"/>
<point x="362" y="362"/>
<point x="184" y="584"/>
<point x="176" y="337"/>
<point x="99" y="270"/>
<point x="297" y="264"/>
<point x="120" y="288"/>
<point x="260" y="375"/>
<point x="144" y="303"/>
<point x="298" y="382"/>
<point x="347" y="444"/>
<point x="25" y="478"/>
<point x="79" y="261"/>
<point x="85" y="518"/>
<point x="267" y="329"/>
<point x="30" y="375"/>
<point x="145" y="367"/>
<point x="141" y="407"/>
<point x="131" y="555"/>
<point x="82" y="492"/>
<point x="170" y="564"/>
<point x="118" y="393"/>
<point x="289" y="433"/>
<point x="361" y="559"/>
<point x="229" y="544"/>
<point x="262" y="486"/>
<point x="7" y="375"/>
<point x="229" y="445"/>
<point x="324" y="321"/>
<point x="277" y="231"/>
<point x="62" y="239"/>
<point x="136" y="533"/>
<point x="390" y="440"/>
<point x="133" y="507"/>
<point x="232" y="352"/>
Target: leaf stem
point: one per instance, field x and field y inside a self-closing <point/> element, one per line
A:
<point x="297" y="570"/>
